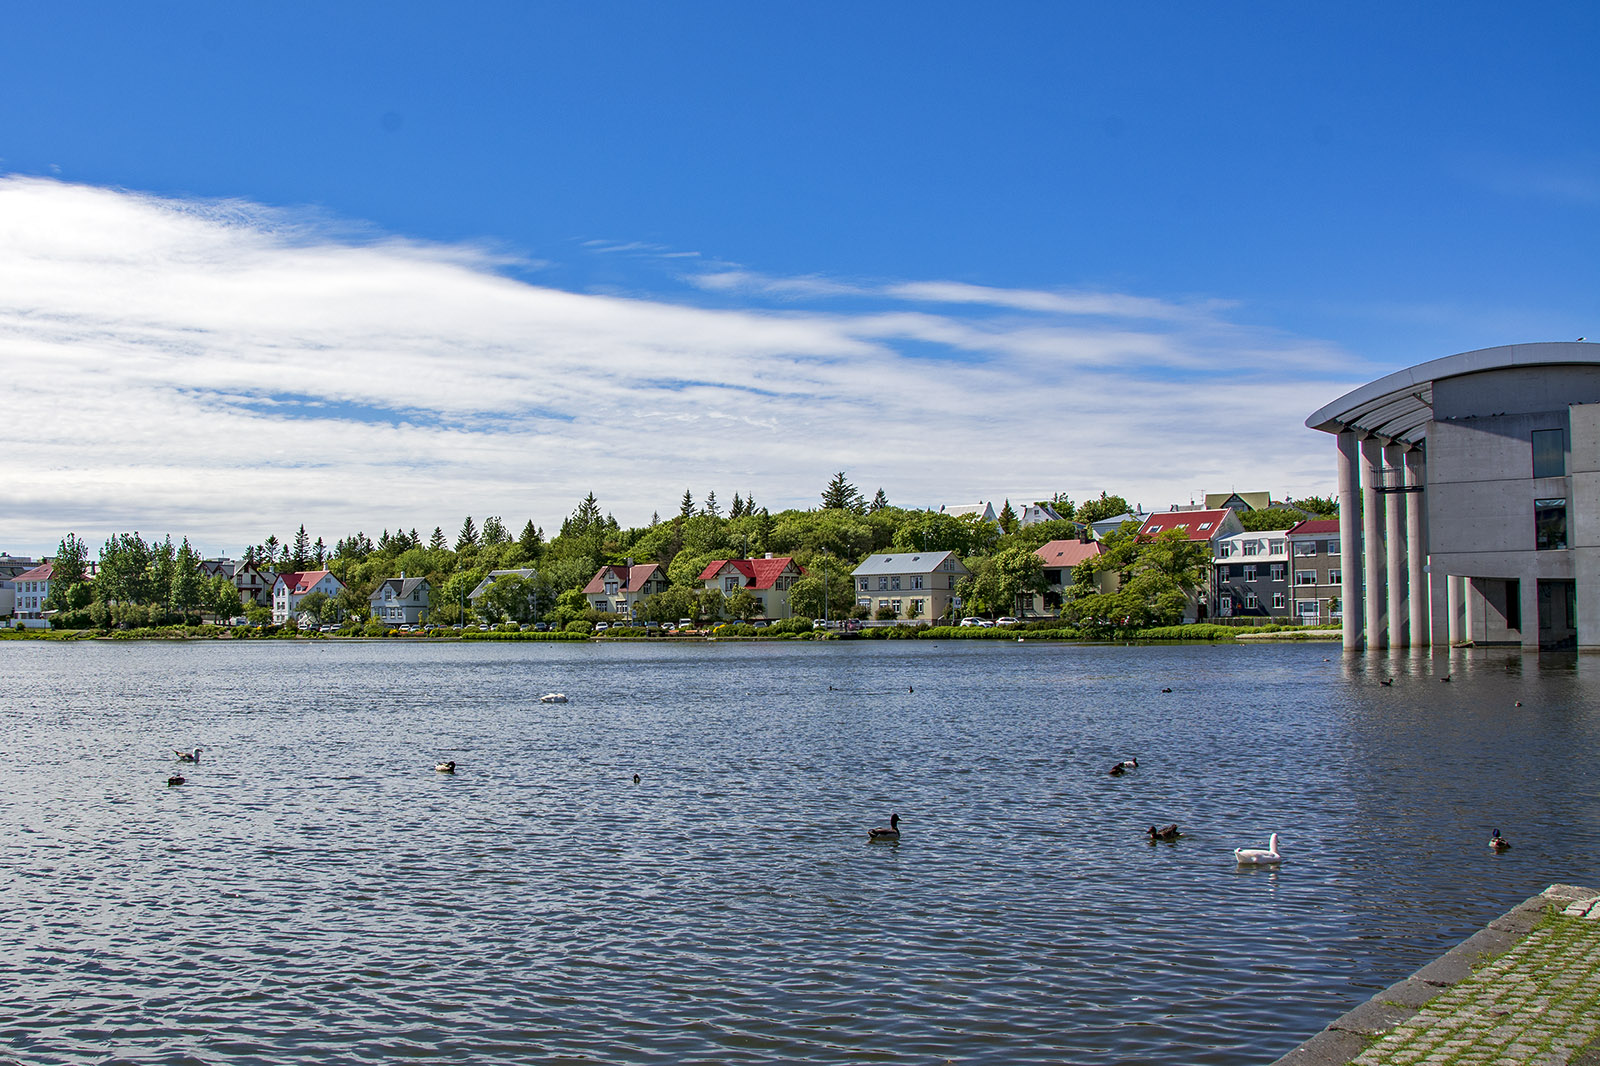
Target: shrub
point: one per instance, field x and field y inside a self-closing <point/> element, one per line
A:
<point x="579" y="625"/>
<point x="1197" y="631"/>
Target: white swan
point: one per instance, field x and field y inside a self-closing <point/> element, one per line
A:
<point x="553" y="697"/>
<point x="1260" y="856"/>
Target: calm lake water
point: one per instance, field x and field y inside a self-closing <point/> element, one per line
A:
<point x="316" y="893"/>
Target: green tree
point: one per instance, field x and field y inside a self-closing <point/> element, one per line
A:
<point x="69" y="589"/>
<point x="438" y="542"/>
<point x="879" y="502"/>
<point x="531" y="542"/>
<point x="495" y="532"/>
<point x="468" y="537"/>
<point x="711" y="509"/>
<point x="807" y="598"/>
<point x="514" y="598"/>
<point x="934" y="531"/>
<point x="1271" y="518"/>
<point x="1008" y="519"/>
<point x="841" y="495"/>
<point x="1157" y="576"/>
<point x="303" y="558"/>
<point x="125" y="575"/>
<point x="1320" y="506"/>
<point x="743" y="605"/>
<point x="686" y="505"/>
<point x="316" y="604"/>
<point x="997" y="580"/>
<point x="1105" y="507"/>
<point x="221" y="597"/>
<point x="187" y="582"/>
<point x="710" y="605"/>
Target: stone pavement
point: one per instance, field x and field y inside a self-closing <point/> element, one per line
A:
<point x="1525" y="990"/>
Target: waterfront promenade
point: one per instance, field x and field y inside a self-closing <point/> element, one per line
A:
<point x="1526" y="989"/>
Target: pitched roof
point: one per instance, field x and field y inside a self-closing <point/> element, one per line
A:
<point x="1196" y="525"/>
<point x="300" y="581"/>
<point x="907" y="563"/>
<point x="757" y="573"/>
<point x="1068" y="552"/>
<point x="403" y="587"/>
<point x="629" y="578"/>
<point x="1320" y="526"/>
<point x="43" y="572"/>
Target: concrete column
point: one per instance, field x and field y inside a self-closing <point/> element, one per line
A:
<point x="1349" y="541"/>
<point x="1438" y="607"/>
<point x="1456" y="587"/>
<point x="1372" y="544"/>
<point x="1395" y="554"/>
<point x="1528" y="587"/>
<point x="1417" y="548"/>
<point x="1469" y="609"/>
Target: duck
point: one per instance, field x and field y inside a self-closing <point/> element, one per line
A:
<point x="553" y="697"/>
<point x="1387" y="681"/>
<point x="1166" y="832"/>
<point x="446" y="767"/>
<point x="1259" y="856"/>
<point x="1498" y="842"/>
<point x="1445" y="679"/>
<point x="636" y="779"/>
<point x="1123" y="767"/>
<point x="886" y="835"/>
<point x="175" y="779"/>
<point x="187" y="756"/>
<point x="1166" y="690"/>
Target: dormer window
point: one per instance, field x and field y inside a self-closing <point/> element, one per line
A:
<point x="1205" y="525"/>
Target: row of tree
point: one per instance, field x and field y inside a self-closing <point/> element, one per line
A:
<point x="140" y="583"/>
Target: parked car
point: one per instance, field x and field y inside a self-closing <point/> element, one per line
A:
<point x="1007" y="620"/>
<point x="541" y="627"/>
<point x="973" y="620"/>
<point x="601" y="627"/>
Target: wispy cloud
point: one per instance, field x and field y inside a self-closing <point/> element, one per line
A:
<point x="225" y="370"/>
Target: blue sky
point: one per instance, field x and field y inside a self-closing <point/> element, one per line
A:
<point x="960" y="252"/>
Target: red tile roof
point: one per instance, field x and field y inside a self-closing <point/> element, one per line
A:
<point x="1322" y="526"/>
<point x="301" y="581"/>
<point x="43" y="572"/>
<point x="629" y="578"/>
<point x="1189" y="523"/>
<point x="1067" y="552"/>
<point x="758" y="573"/>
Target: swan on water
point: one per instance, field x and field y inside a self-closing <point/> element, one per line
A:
<point x="1264" y="856"/>
<point x="185" y="756"/>
<point x="446" y="767"/>
<point x="553" y="697"/>
<point x="890" y="834"/>
<point x="1498" y="842"/>
<point x="1123" y="767"/>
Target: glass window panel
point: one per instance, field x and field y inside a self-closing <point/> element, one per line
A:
<point x="1549" y="453"/>
<point x="1549" y="524"/>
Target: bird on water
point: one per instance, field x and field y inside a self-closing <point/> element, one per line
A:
<point x="636" y="779"/>
<point x="1498" y="842"/>
<point x="1266" y="856"/>
<point x="446" y="768"/>
<point x="1387" y="681"/>
<point x="1166" y="832"/>
<point x="1123" y="767"/>
<point x="186" y="756"/>
<point x="890" y="834"/>
<point x="174" y="780"/>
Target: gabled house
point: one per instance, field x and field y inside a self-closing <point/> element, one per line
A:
<point x="1100" y="528"/>
<point x="1060" y="557"/>
<point x="1252" y="575"/>
<point x="984" y="511"/>
<point x="253" y="582"/>
<point x="289" y="589"/>
<point x="915" y="586"/>
<point x="495" y="575"/>
<point x="1203" y="526"/>
<point x="32" y="588"/>
<point x="401" y="600"/>
<point x="1316" y="572"/>
<point x="767" y="579"/>
<point x="620" y="589"/>
<point x="1239" y="501"/>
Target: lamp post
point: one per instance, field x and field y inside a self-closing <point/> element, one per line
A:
<point x="824" y="587"/>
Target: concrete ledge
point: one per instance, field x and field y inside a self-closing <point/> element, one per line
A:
<point x="1351" y="1033"/>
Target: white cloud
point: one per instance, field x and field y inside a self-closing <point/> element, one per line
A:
<point x="227" y="371"/>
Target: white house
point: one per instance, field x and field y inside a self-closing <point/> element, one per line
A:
<point x="289" y="589"/>
<point x="32" y="588"/>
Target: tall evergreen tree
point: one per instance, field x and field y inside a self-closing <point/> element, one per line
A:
<point x="302" y="549"/>
<point x="711" y="507"/>
<point x="686" y="507"/>
<point x="187" y="583"/>
<point x="319" y="553"/>
<point x="841" y="494"/>
<point x="737" y="510"/>
<point x="879" y="501"/>
<point x="468" y="538"/>
<point x="1008" y="518"/>
<point x="437" y="541"/>
<point x="532" y="540"/>
<point x="271" y="548"/>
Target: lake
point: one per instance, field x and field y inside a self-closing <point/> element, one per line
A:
<point x="315" y="892"/>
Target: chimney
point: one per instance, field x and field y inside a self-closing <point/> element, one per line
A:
<point x="769" y="555"/>
<point x="630" y="562"/>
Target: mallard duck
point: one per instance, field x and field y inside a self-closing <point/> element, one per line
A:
<point x="446" y="768"/>
<point x="890" y="834"/>
<point x="1123" y="767"/>
<point x="186" y="756"/>
<point x="1166" y="832"/>
<point x="1262" y="856"/>
<point x="1498" y="842"/>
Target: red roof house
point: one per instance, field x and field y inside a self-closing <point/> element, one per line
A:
<point x="768" y="579"/>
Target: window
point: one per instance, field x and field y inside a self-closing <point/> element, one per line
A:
<point x="894" y="605"/>
<point x="1305" y="547"/>
<point x="1252" y="547"/>
<point x="916" y="608"/>
<point x="1277" y="571"/>
<point x="883" y="584"/>
<point x="862" y="587"/>
<point x="1225" y="549"/>
<point x="1225" y="605"/>
<point x="1307" y="608"/>
<point x="1250" y="601"/>
<point x="1277" y="601"/>
<point x="916" y="581"/>
<point x="1335" y="577"/>
<point x="1305" y="577"/>
<point x="1250" y="572"/>
<point x="883" y="603"/>
<point x="1277" y="547"/>
<point x="894" y="583"/>
<point x="728" y="584"/>
<point x="1549" y="524"/>
<point x="1549" y="453"/>
<point x="1332" y="547"/>
<point x="1205" y="525"/>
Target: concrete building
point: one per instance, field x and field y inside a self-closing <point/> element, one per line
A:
<point x="1469" y="500"/>
<point x="1316" y="570"/>
<point x="1252" y="575"/>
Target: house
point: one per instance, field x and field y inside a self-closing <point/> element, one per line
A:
<point x="1206" y="527"/>
<point x="1316" y="572"/>
<point x="495" y="575"/>
<point x="1031" y="514"/>
<point x="32" y="589"/>
<point x="1252" y="575"/>
<point x="254" y="583"/>
<point x="984" y="511"/>
<point x="1238" y="501"/>
<point x="401" y="600"/>
<point x="767" y="579"/>
<point x="289" y="589"/>
<point x="620" y="589"/>
<point x="1104" y="526"/>
<point x="912" y="585"/>
<point x="1059" y="558"/>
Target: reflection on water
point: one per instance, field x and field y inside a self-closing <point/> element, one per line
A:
<point x="316" y="892"/>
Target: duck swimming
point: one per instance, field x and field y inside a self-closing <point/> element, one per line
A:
<point x="1166" y="832"/>
<point x="185" y="756"/>
<point x="1259" y="856"/>
<point x="174" y="780"/>
<point x="1123" y="767"/>
<point x="1498" y="842"/>
<point x="446" y="768"/>
<point x="886" y="835"/>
